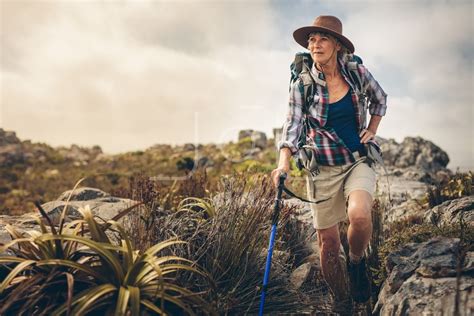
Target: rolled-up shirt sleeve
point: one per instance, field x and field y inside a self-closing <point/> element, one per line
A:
<point x="376" y="96"/>
<point x="294" y="119"/>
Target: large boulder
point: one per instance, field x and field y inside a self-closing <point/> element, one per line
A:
<point x="414" y="151"/>
<point x="451" y="212"/>
<point x="102" y="205"/>
<point x="422" y="280"/>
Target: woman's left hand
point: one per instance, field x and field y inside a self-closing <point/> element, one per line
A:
<point x="366" y="135"/>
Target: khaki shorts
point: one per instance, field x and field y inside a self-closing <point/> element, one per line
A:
<point x="336" y="183"/>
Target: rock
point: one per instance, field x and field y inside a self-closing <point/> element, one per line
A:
<point x="163" y="148"/>
<point x="83" y="194"/>
<point x="259" y="139"/>
<point x="105" y="208"/>
<point x="11" y="154"/>
<point x="300" y="274"/>
<point x="21" y="223"/>
<point x="188" y="147"/>
<point x="205" y="162"/>
<point x="82" y="155"/>
<point x="427" y="296"/>
<point x="410" y="208"/>
<point x="450" y="212"/>
<point x="415" y="151"/>
<point x="251" y="153"/>
<point x="54" y="210"/>
<point x="422" y="280"/>
<point x="469" y="262"/>
<point x="245" y="133"/>
<point x="401" y="189"/>
<point x="8" y="138"/>
<point x="417" y="174"/>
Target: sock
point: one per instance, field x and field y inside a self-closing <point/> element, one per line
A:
<point x="355" y="258"/>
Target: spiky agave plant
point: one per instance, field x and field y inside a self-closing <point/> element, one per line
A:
<point x="114" y="279"/>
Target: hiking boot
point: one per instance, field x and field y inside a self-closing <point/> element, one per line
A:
<point x="359" y="281"/>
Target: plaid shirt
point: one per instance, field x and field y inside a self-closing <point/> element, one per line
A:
<point x="329" y="148"/>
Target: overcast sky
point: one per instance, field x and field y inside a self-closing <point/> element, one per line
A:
<point x="126" y="75"/>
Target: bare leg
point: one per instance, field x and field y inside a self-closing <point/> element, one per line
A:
<point x="360" y="221"/>
<point x="334" y="272"/>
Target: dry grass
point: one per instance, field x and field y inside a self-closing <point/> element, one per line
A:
<point x="231" y="246"/>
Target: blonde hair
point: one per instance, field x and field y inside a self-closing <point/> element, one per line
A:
<point x="343" y="53"/>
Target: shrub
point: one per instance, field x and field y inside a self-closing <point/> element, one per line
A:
<point x="227" y="236"/>
<point x="457" y="186"/>
<point x="78" y="269"/>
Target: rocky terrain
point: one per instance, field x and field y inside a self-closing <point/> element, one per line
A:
<point x="431" y="277"/>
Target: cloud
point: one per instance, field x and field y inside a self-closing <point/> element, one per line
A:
<point x="422" y="56"/>
<point x="126" y="75"/>
<point x="96" y="70"/>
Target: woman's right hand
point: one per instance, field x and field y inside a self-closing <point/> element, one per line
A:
<point x="275" y="175"/>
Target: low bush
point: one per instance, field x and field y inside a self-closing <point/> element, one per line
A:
<point x="78" y="269"/>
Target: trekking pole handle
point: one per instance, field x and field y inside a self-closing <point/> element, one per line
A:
<point x="277" y="207"/>
<point x="281" y="180"/>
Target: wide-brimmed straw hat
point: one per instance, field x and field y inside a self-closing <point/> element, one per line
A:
<point x="323" y="23"/>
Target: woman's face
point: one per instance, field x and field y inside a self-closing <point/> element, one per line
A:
<point x="322" y="47"/>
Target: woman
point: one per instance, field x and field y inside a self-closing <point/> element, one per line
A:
<point x="338" y="135"/>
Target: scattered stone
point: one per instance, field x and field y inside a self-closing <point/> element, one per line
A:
<point x="300" y="274"/>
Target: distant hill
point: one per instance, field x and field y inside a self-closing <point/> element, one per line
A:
<point x="36" y="171"/>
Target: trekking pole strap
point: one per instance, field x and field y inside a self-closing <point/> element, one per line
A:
<point x="287" y="191"/>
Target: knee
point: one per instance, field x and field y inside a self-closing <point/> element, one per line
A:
<point x="359" y="216"/>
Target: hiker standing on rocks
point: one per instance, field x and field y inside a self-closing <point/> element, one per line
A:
<point x="338" y="138"/>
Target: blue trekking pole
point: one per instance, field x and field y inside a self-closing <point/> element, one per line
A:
<point x="276" y="214"/>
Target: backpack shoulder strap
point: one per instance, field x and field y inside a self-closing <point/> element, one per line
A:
<point x="353" y="70"/>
